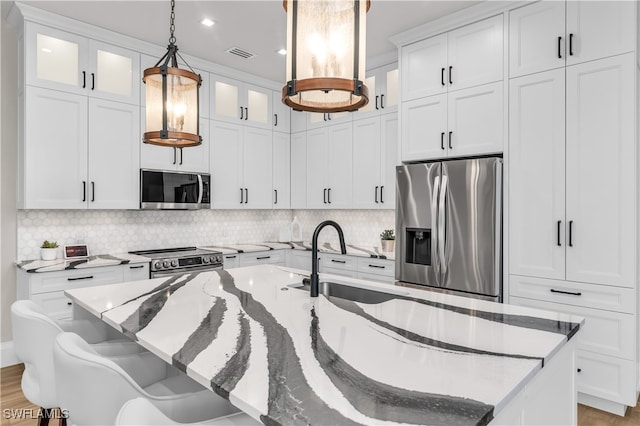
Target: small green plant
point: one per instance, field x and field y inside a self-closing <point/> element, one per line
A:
<point x="387" y="234"/>
<point x="49" y="244"/>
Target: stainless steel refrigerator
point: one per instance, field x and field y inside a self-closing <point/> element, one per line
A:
<point x="449" y="226"/>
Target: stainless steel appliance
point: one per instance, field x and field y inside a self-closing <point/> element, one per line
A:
<point x="449" y="226"/>
<point x="181" y="260"/>
<point x="170" y="190"/>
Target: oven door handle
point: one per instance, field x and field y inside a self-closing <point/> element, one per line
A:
<point x="200" y="189"/>
<point x="160" y="274"/>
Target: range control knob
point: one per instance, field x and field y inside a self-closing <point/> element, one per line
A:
<point x="219" y="258"/>
<point x="206" y="259"/>
<point x="157" y="265"/>
<point x="166" y="263"/>
<point x="174" y="262"/>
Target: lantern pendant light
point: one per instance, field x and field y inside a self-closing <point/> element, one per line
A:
<point x="172" y="99"/>
<point x="326" y="42"/>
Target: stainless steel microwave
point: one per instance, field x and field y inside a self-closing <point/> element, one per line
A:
<point x="171" y="190"/>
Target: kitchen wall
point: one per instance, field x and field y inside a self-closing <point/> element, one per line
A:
<point x="8" y="156"/>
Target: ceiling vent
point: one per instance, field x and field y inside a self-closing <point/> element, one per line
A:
<point x="241" y="53"/>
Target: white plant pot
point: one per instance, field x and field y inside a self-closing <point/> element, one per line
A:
<point x="48" y="253"/>
<point x="387" y="245"/>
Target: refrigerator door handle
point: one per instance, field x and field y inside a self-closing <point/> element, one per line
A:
<point x="442" y="224"/>
<point x="434" y="225"/>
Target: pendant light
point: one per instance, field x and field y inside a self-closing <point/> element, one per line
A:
<point x="326" y="42"/>
<point x="172" y="99"/>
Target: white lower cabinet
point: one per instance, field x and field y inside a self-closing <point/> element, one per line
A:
<point x="47" y="288"/>
<point x="299" y="259"/>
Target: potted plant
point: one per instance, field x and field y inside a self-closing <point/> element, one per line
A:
<point x="387" y="240"/>
<point x="49" y="250"/>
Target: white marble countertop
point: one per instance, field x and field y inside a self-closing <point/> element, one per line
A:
<point x="352" y="250"/>
<point x="88" y="262"/>
<point x="286" y="358"/>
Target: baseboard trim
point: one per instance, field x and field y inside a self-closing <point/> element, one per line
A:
<point x="7" y="355"/>
<point x="602" y="404"/>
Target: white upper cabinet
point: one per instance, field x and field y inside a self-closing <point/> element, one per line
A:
<point x="383" y="92"/>
<point x="316" y="120"/>
<point x="281" y="114"/>
<point x="281" y="170"/>
<point x="234" y="101"/>
<point x="424" y="128"/>
<point x="551" y="34"/>
<point x="329" y="167"/>
<point x="299" y="170"/>
<point x="375" y="146"/>
<point x="241" y="178"/>
<point x="63" y="61"/>
<point x="192" y="159"/>
<point x="298" y="121"/>
<point x="468" y="56"/>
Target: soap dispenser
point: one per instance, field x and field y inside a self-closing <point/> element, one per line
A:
<point x="296" y="230"/>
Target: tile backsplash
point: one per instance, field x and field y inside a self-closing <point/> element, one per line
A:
<point x="117" y="231"/>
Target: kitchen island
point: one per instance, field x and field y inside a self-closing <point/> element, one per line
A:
<point x="284" y="358"/>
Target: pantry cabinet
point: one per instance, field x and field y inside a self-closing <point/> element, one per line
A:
<point x="375" y="147"/>
<point x="238" y="102"/>
<point x="242" y="179"/>
<point x="329" y="167"/>
<point x="70" y="145"/>
<point x="551" y="34"/>
<point x="64" y="61"/>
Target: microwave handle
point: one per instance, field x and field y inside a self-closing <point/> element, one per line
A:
<point x="200" y="189"/>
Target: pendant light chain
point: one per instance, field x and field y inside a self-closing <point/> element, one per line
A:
<point x="172" y="27"/>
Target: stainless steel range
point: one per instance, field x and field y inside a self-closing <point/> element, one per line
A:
<point x="181" y="260"/>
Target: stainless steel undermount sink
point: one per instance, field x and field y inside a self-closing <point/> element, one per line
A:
<point x="347" y="292"/>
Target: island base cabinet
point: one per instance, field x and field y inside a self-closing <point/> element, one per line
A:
<point x="549" y="399"/>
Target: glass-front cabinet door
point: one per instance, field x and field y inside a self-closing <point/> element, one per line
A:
<point x="236" y="102"/>
<point x="113" y="73"/>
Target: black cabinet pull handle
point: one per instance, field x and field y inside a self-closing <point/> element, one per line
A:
<point x="93" y="191"/>
<point x="276" y="191"/>
<point x="450" y="74"/>
<point x="559" y="47"/>
<point x="442" y="140"/>
<point x="263" y="257"/>
<point x="246" y="196"/>
<point x="93" y="81"/>
<point x="324" y="197"/>
<point x="324" y="116"/>
<point x="246" y="113"/>
<point x="136" y="267"/>
<point x="377" y="101"/>
<point x="442" y="77"/>
<point x="329" y="116"/>
<point x="241" y="196"/>
<point x="181" y="156"/>
<point x="84" y="191"/>
<point x="381" y="188"/>
<point x="382" y="101"/>
<point x="450" y="145"/>
<point x="84" y="79"/>
<point x="241" y="113"/>
<point x="88" y="277"/>
<point x="572" y="293"/>
<point x="174" y="155"/>
<point x="377" y="194"/>
<point x="571" y="44"/>
<point x="69" y="303"/>
<point x="579" y="370"/>
<point x="329" y="195"/>
<point x="230" y="257"/>
<point x="338" y="261"/>
<point x="570" y="233"/>
<point x="377" y="266"/>
<point x="559" y="243"/>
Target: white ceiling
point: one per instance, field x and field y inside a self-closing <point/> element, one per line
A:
<point x="258" y="27"/>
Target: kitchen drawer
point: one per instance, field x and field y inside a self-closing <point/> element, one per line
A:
<point x="604" y="332"/>
<point x="55" y="304"/>
<point x="385" y="279"/>
<point x="262" y="257"/>
<point x="606" y="377"/>
<point x="596" y="296"/>
<point x="45" y="282"/>
<point x="338" y="261"/>
<point x="384" y="267"/>
<point x="136" y="272"/>
<point x="299" y="259"/>
<point x="231" y="260"/>
<point x="341" y="272"/>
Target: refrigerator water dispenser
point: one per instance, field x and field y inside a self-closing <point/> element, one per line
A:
<point x="418" y="250"/>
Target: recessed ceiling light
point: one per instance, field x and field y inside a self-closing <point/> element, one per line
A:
<point x="207" y="22"/>
<point x="282" y="51"/>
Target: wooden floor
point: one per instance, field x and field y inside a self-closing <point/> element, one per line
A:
<point x="12" y="400"/>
